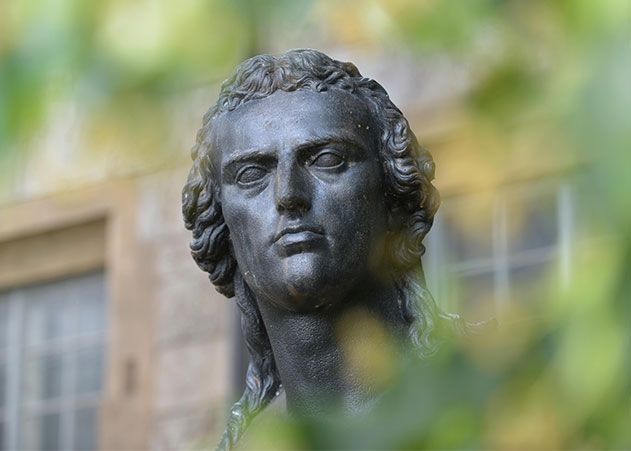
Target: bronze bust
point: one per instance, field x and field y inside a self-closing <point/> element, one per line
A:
<point x="310" y="196"/>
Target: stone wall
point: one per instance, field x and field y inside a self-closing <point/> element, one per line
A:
<point x="168" y="373"/>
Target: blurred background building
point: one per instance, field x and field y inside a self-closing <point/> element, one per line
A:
<point x="110" y="336"/>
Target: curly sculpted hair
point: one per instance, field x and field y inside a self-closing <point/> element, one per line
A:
<point x="410" y="196"/>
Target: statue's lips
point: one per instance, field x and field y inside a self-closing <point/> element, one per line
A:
<point x="298" y="238"/>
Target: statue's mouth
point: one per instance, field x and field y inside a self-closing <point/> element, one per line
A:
<point x="297" y="232"/>
<point x="297" y="239"/>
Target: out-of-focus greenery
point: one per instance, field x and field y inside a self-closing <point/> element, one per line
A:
<point x="558" y="372"/>
<point x="117" y="73"/>
<point x="551" y="81"/>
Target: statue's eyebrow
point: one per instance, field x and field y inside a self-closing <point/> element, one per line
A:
<point x="336" y="138"/>
<point x="265" y="154"/>
<point x="239" y="156"/>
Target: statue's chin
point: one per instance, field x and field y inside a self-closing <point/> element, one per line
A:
<point x="303" y="295"/>
<point x="305" y="282"/>
<point x="302" y="292"/>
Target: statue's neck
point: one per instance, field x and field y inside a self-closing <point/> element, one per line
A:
<point x="316" y="352"/>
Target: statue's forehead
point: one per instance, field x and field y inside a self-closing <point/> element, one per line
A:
<point x="294" y="116"/>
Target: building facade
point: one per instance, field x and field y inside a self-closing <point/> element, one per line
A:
<point x="111" y="338"/>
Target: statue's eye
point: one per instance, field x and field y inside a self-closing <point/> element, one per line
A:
<point x="250" y="175"/>
<point x="327" y="160"/>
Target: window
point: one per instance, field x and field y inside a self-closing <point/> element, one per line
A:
<point x="491" y="249"/>
<point x="52" y="339"/>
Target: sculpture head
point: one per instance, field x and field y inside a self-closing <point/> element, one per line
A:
<point x="306" y="178"/>
<point x="302" y="194"/>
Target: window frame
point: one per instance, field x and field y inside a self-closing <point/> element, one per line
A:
<point x="499" y="264"/>
<point x="16" y="408"/>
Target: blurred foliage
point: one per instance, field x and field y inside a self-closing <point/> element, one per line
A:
<point x="123" y="66"/>
<point x="557" y="374"/>
<point x="561" y="381"/>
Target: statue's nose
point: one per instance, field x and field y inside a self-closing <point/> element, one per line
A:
<point x="292" y="190"/>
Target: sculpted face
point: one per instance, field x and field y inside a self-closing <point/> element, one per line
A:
<point x="302" y="194"/>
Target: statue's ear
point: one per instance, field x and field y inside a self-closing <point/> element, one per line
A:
<point x="397" y="238"/>
<point x="397" y="219"/>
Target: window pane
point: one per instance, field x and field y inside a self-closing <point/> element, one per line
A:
<point x="85" y="430"/>
<point x="467" y="227"/>
<point x="4" y="322"/>
<point x="42" y="432"/>
<point x="89" y="370"/>
<point x="89" y="297"/>
<point x="476" y="295"/>
<point x="527" y="282"/>
<point x="532" y="221"/>
<point x="44" y="377"/>
<point x="48" y="313"/>
<point x="3" y="384"/>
